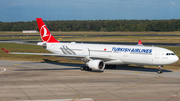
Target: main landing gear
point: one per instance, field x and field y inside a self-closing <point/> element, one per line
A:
<point x="86" y="68"/>
<point x="160" y="70"/>
<point x="110" y="66"/>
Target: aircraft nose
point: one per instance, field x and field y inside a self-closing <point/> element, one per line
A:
<point x="173" y="59"/>
<point x="176" y="58"/>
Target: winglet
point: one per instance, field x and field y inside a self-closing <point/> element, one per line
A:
<point x="5" y="50"/>
<point x="140" y="43"/>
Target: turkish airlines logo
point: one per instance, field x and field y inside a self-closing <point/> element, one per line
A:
<point x="45" y="34"/>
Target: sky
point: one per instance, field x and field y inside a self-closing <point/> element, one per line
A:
<point x="29" y="10"/>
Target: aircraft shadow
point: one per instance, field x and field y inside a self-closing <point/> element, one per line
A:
<point x="77" y="67"/>
<point x="46" y="69"/>
<point x="70" y="66"/>
<point x="139" y="68"/>
<point x="63" y="64"/>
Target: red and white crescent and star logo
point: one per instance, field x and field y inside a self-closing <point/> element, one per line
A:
<point x="45" y="34"/>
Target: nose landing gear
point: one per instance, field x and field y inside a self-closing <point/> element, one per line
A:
<point x="160" y="70"/>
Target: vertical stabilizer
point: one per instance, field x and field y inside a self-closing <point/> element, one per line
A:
<point x="140" y="43"/>
<point x="45" y="34"/>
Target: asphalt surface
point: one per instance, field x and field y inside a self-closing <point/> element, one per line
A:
<point x="36" y="81"/>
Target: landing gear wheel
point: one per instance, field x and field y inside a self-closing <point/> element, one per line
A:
<point x="114" y="66"/>
<point x="86" y="68"/>
<point x="90" y="69"/>
<point x="82" y="68"/>
<point x="159" y="71"/>
<point x="110" y="66"/>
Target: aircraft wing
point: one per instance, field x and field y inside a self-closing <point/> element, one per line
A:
<point x="65" y="55"/>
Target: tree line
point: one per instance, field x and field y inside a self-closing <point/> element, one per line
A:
<point x="97" y="25"/>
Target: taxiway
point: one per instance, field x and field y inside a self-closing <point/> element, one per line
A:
<point x="28" y="81"/>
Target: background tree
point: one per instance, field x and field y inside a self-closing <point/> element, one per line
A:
<point x="97" y="25"/>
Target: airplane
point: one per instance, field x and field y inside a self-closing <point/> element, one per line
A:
<point x="97" y="56"/>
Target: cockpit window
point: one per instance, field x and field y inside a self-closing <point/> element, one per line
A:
<point x="170" y="54"/>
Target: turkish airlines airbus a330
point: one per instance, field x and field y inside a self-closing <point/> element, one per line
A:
<point x="96" y="56"/>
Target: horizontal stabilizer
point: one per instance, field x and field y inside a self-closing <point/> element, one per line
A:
<point x="5" y="50"/>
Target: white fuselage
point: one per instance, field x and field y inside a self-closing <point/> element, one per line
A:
<point x="120" y="54"/>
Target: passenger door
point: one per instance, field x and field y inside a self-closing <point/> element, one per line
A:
<point x="86" y="51"/>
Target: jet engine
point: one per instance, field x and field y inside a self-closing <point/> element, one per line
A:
<point x="96" y="64"/>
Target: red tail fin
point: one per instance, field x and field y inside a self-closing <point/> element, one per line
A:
<point x="46" y="35"/>
<point x="140" y="43"/>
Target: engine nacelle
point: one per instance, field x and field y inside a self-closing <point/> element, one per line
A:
<point x="96" y="64"/>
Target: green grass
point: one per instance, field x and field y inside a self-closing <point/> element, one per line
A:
<point x="84" y="36"/>
<point x="159" y="39"/>
<point x="86" y="33"/>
